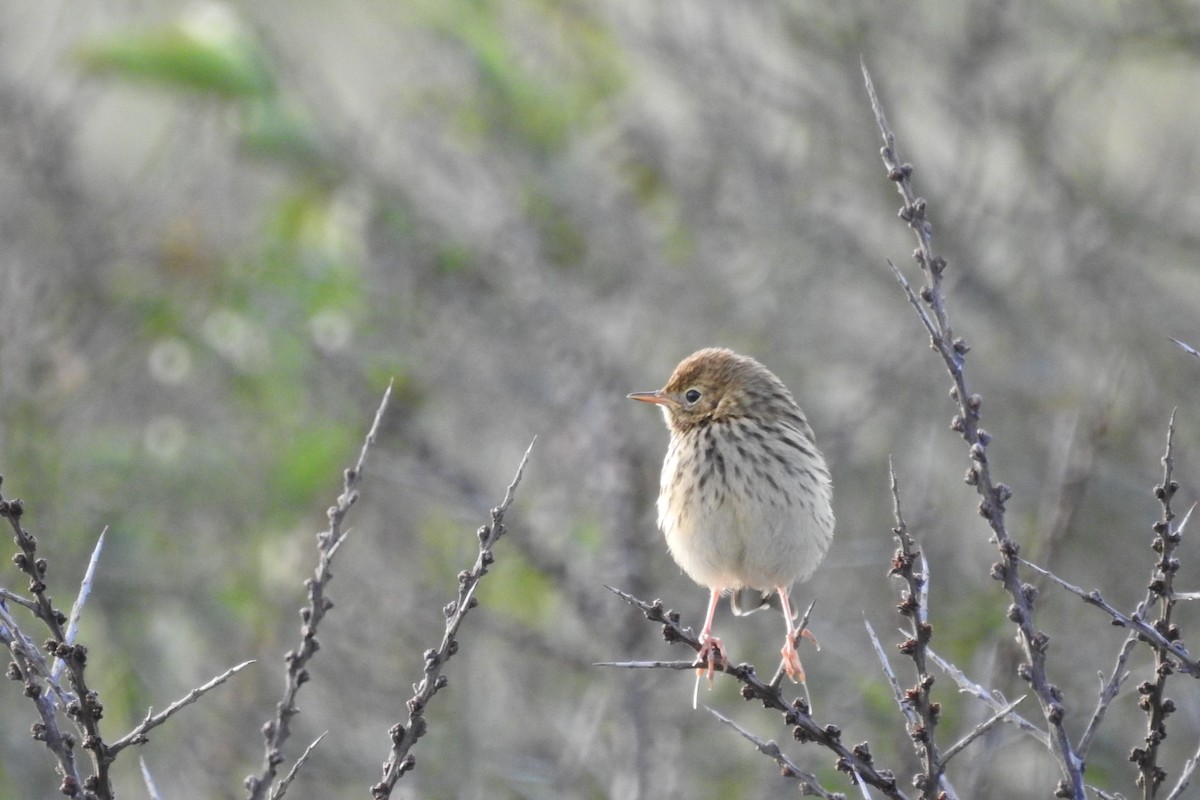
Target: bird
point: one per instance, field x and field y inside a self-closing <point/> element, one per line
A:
<point x="745" y="497"/>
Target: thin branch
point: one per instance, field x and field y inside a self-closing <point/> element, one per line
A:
<point x="1108" y="692"/>
<point x="148" y="779"/>
<point x="675" y="665"/>
<point x="809" y="785"/>
<point x="1159" y="591"/>
<point x="856" y="761"/>
<point x="1187" y="348"/>
<point x="979" y="730"/>
<point x="84" y="707"/>
<point x="277" y="731"/>
<point x="992" y="699"/>
<point x="1134" y="622"/>
<point x="17" y="600"/>
<point x="404" y="735"/>
<point x="911" y="716"/>
<point x="85" y="591"/>
<point x="992" y="495"/>
<point x="152" y="720"/>
<point x="1185" y="777"/>
<point x="914" y="606"/>
<point x="32" y="671"/>
<point x="281" y="788"/>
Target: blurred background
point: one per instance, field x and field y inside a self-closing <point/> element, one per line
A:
<point x="225" y="227"/>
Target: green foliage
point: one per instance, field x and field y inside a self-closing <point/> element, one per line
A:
<point x="536" y="94"/>
<point x="211" y="55"/>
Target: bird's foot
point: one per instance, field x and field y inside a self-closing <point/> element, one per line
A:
<point x="711" y="655"/>
<point x="791" y="659"/>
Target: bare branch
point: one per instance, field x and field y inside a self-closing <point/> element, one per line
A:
<point x="17" y="600"/>
<point x="676" y="665"/>
<point x="281" y="788"/>
<point x="148" y="779"/>
<point x="86" y="707"/>
<point x="992" y="495"/>
<point x="1134" y="622"/>
<point x="404" y="735"/>
<point x="152" y="721"/>
<point x="32" y="670"/>
<point x="85" y="591"/>
<point x="1159" y="595"/>
<point x="914" y="607"/>
<point x="910" y="714"/>
<point x="1108" y="693"/>
<point x="979" y="730"/>
<point x="1185" y="777"/>
<point x="1187" y="348"/>
<point x="855" y="761"/>
<point x="992" y="699"/>
<point x="809" y="785"/>
<point x="277" y="730"/>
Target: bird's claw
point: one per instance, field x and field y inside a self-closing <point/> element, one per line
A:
<point x="791" y="658"/>
<point x="711" y="655"/>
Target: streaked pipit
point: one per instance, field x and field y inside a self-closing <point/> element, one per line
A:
<point x="744" y="498"/>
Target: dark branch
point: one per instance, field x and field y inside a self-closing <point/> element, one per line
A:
<point x="277" y="731"/>
<point x="993" y="495"/>
<point x="405" y="734"/>
<point x="856" y="761"/>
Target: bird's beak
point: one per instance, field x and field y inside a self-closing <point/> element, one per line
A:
<point x="651" y="397"/>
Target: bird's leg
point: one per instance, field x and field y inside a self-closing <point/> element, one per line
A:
<point x="791" y="659"/>
<point x="712" y="650"/>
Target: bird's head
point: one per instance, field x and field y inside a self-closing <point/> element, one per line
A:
<point x="712" y="385"/>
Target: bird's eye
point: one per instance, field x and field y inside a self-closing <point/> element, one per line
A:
<point x="692" y="395"/>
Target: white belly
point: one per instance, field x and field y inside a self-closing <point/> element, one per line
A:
<point x="737" y="530"/>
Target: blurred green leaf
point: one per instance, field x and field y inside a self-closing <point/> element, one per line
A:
<point x="208" y="52"/>
<point x="270" y="130"/>
<point x="541" y="103"/>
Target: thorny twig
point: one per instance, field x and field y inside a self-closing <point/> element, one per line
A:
<point x="1152" y="698"/>
<point x="979" y="730"/>
<point x="1108" y="693"/>
<point x="405" y="734"/>
<point x="281" y="788"/>
<point x="1135" y="622"/>
<point x="809" y="785"/>
<point x="930" y="305"/>
<point x="856" y="762"/>
<point x="148" y="779"/>
<point x="152" y="721"/>
<point x="1187" y="348"/>
<point x="1185" y="777"/>
<point x="30" y="668"/>
<point x="278" y="729"/>
<point x="84" y="706"/>
<point x="914" y="606"/>
<point x="992" y="699"/>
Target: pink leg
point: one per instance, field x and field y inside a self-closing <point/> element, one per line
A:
<point x="711" y="648"/>
<point x="791" y="659"/>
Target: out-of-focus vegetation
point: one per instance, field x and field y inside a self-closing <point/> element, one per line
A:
<point x="223" y="228"/>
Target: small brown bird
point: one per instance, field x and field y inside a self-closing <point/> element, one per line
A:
<point x="745" y="496"/>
